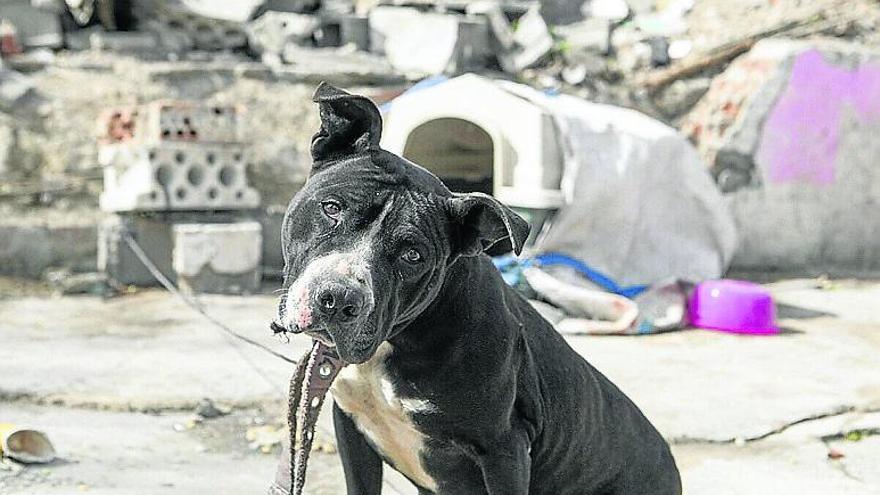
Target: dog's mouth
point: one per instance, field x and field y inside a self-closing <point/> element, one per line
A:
<point x="321" y="335"/>
<point x="352" y="349"/>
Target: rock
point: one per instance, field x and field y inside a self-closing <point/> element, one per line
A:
<point x="679" y="97"/>
<point x="561" y="12"/>
<point x="789" y="130"/>
<point x="272" y="31"/>
<point x="208" y="410"/>
<point x="659" y="51"/>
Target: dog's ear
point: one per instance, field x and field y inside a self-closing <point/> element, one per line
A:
<point x="349" y="124"/>
<point x="482" y="221"/>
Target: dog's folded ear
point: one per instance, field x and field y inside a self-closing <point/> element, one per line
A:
<point x="483" y="222"/>
<point x="349" y="124"/>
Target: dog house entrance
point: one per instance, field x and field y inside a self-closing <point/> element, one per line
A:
<point x="460" y="152"/>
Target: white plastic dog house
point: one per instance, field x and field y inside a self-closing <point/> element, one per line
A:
<point x="478" y="137"/>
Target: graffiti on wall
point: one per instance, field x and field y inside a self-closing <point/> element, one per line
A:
<point x="801" y="135"/>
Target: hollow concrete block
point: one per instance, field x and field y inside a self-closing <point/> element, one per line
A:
<point x="175" y="176"/>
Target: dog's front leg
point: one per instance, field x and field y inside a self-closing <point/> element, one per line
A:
<point x="361" y="464"/>
<point x="506" y="465"/>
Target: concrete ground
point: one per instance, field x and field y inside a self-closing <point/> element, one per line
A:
<point x="114" y="383"/>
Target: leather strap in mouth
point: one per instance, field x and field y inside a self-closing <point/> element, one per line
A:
<point x="277" y="328"/>
<point x="314" y="374"/>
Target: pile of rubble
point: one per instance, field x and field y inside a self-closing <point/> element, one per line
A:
<point x="64" y="62"/>
<point x="656" y="55"/>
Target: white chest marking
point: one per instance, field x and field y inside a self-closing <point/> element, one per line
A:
<point x="364" y="392"/>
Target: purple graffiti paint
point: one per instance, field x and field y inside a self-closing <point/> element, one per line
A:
<point x="801" y="135"/>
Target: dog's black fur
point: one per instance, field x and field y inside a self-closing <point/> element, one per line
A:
<point x="515" y="410"/>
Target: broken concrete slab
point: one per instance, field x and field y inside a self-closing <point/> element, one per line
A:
<point x="799" y="175"/>
<point x="520" y="48"/>
<point x="429" y="43"/>
<point x="35" y="28"/>
<point x="340" y="66"/>
<point x="211" y="26"/>
<point x="533" y="40"/>
<point x="218" y="258"/>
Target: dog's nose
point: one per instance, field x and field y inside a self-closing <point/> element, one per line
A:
<point x="340" y="303"/>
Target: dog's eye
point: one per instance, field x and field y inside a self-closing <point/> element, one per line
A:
<point x="412" y="256"/>
<point x="331" y="208"/>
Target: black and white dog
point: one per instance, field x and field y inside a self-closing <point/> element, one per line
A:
<point x="453" y="379"/>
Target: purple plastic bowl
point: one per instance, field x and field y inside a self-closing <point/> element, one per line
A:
<point x="733" y="306"/>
